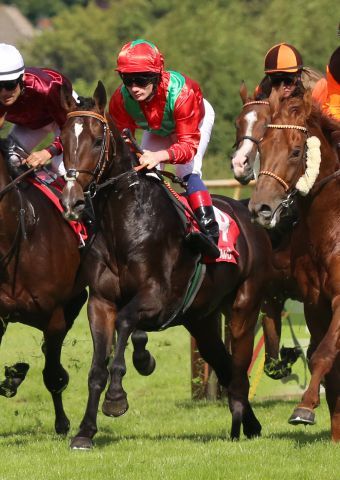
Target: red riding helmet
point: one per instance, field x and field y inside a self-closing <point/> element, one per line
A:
<point x="334" y="65"/>
<point x="283" y="58"/>
<point x="140" y="56"/>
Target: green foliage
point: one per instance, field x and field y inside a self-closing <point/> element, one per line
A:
<point x="219" y="43"/>
<point x="35" y="9"/>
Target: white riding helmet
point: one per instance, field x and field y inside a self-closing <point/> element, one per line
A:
<point x="11" y="63"/>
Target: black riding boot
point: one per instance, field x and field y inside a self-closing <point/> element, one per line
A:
<point x="206" y="240"/>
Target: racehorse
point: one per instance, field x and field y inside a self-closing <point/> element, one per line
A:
<point x="147" y="266"/>
<point x="39" y="260"/>
<point x="300" y="166"/>
<point x="250" y="128"/>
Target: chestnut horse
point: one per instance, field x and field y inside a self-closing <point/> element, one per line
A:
<point x="250" y="128"/>
<point x="39" y="260"/>
<point x="148" y="265"/>
<point x="298" y="165"/>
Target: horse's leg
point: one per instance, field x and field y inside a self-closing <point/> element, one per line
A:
<point x="206" y="332"/>
<point x="55" y="376"/>
<point x="115" y="403"/>
<point x="243" y="319"/>
<point x="15" y="374"/>
<point x="271" y="324"/>
<point x="324" y="335"/>
<point x="142" y="359"/>
<point x="332" y="387"/>
<point x="102" y="315"/>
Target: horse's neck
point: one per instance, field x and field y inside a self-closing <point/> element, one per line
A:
<point x="9" y="201"/>
<point x="329" y="158"/>
<point x="142" y="205"/>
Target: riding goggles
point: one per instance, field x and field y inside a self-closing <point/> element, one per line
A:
<point x="287" y="80"/>
<point x="141" y="80"/>
<point x="9" y="85"/>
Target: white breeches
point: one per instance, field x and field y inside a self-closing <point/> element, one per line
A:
<point x="29" y="139"/>
<point x="154" y="143"/>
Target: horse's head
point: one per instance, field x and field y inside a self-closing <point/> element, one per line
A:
<point x="285" y="152"/>
<point x="87" y="144"/>
<point x="250" y="128"/>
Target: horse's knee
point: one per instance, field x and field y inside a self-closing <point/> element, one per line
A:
<point x="55" y="381"/>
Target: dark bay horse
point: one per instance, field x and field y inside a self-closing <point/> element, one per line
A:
<point x="39" y="260"/>
<point x="147" y="266"/>
<point x="298" y="164"/>
<point x="250" y="129"/>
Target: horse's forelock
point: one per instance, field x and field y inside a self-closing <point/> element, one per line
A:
<point x="86" y="103"/>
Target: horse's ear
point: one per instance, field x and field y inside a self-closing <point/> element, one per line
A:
<point x="66" y="99"/>
<point x="308" y="101"/>
<point x="100" y="97"/>
<point x="243" y="92"/>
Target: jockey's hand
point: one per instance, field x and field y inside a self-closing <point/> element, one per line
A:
<point x="152" y="159"/>
<point x="38" y="159"/>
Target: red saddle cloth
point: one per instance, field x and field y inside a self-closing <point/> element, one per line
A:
<point x="229" y="233"/>
<point x="78" y="227"/>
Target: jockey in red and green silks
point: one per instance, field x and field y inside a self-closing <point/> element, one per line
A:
<point x="177" y="123"/>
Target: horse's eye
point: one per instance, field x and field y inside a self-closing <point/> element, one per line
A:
<point x="296" y="152"/>
<point x="98" y="142"/>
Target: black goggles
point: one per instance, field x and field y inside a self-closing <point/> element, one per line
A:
<point x="285" y="79"/>
<point x="139" y="80"/>
<point x="9" y="85"/>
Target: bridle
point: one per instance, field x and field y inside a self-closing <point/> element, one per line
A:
<point x="282" y="182"/>
<point x="73" y="173"/>
<point x="249" y="137"/>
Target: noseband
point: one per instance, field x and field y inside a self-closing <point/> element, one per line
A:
<point x="72" y="174"/>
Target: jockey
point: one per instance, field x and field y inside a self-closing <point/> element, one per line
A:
<point x="177" y="123"/>
<point x="327" y="90"/>
<point x="30" y="99"/>
<point x="283" y="65"/>
<point x="327" y="93"/>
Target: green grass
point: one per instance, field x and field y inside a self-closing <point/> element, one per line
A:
<point x="164" y="435"/>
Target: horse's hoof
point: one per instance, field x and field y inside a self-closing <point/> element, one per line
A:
<point x="144" y="365"/>
<point x="253" y="430"/>
<point x="81" y="443"/>
<point x="303" y="416"/>
<point x="62" y="428"/>
<point x="115" y="409"/>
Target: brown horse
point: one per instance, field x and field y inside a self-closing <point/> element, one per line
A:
<point x="39" y="260"/>
<point x="250" y="129"/>
<point x="147" y="267"/>
<point x="295" y="151"/>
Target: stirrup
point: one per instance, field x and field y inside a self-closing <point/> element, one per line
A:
<point x="199" y="242"/>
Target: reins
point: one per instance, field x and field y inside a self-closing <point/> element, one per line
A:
<point x="249" y="137"/>
<point x="72" y="174"/>
<point x="14" y="182"/>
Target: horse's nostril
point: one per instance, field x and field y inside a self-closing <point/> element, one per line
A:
<point x="79" y="205"/>
<point x="265" y="211"/>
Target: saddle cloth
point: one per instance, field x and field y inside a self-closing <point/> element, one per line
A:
<point x="50" y="191"/>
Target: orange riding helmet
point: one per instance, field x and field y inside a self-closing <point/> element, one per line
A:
<point x="283" y="58"/>
<point x="140" y="56"/>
